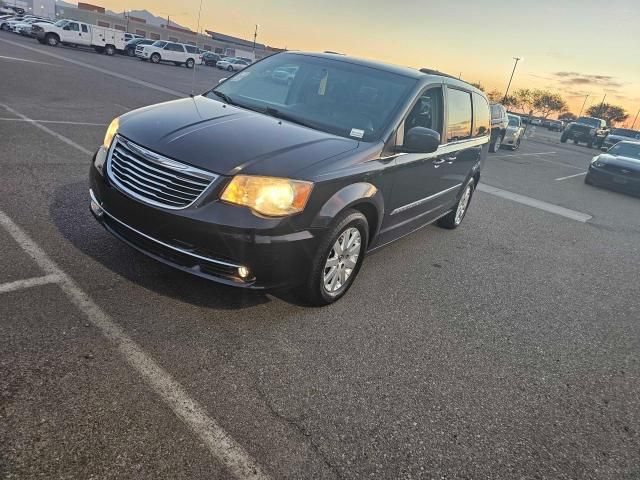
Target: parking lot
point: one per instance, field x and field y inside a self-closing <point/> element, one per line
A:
<point x="505" y="349"/>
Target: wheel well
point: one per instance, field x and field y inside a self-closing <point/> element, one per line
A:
<point x="476" y="179"/>
<point x="371" y="214"/>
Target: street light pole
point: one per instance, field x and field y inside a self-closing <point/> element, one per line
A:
<point x="583" y="104"/>
<point x="517" y="59"/>
<point x="635" y="119"/>
<point x="255" y="37"/>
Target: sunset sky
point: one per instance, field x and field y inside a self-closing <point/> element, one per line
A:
<point x="575" y="47"/>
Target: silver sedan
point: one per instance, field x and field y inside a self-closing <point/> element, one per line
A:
<point x="514" y="133"/>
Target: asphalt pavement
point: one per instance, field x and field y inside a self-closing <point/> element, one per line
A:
<point x="505" y="349"/>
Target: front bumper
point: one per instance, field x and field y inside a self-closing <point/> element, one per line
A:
<point x="624" y="183"/>
<point x="510" y="138"/>
<point x="212" y="240"/>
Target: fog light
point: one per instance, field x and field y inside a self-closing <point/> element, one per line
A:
<point x="243" y="272"/>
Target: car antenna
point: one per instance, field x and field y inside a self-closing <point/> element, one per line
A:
<point x="193" y="82"/>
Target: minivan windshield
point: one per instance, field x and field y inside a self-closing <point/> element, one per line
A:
<point x="333" y="96"/>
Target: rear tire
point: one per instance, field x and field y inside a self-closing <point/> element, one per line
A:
<point x="454" y="218"/>
<point x="155" y="58"/>
<point x="321" y="288"/>
<point x="563" y="138"/>
<point x="576" y="142"/>
<point x="110" y="50"/>
<point x="190" y="63"/>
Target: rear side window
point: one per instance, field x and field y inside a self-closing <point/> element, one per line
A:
<point x="481" y="116"/>
<point x="190" y="49"/>
<point x="85" y="29"/>
<point x="458" y="115"/>
<point x="174" y="47"/>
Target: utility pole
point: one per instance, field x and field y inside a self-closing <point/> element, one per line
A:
<point x="517" y="59"/>
<point x="584" y="103"/>
<point x="255" y="37"/>
<point x="635" y="119"/>
<point x="601" y="111"/>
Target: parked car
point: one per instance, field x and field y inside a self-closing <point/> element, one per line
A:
<point x="546" y="123"/>
<point x="360" y="154"/>
<point x="210" y="59"/>
<point x="618" y="168"/>
<point x="195" y="52"/>
<point x="536" y="122"/>
<point x="618" y="135"/>
<point x="130" y="46"/>
<point x="232" y="65"/>
<point x="131" y="36"/>
<point x="589" y="130"/>
<point x="284" y="74"/>
<point x="499" y="124"/>
<point x="70" y="32"/>
<point x="162" y="51"/>
<point x="514" y="133"/>
<point x="556" y="125"/>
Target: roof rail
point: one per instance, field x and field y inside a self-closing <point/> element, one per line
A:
<point x="430" y="71"/>
<point x="334" y="53"/>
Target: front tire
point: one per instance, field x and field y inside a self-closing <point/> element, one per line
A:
<point x="230" y="68"/>
<point x="337" y="260"/>
<point x="52" y="40"/>
<point x="454" y="218"/>
<point x="564" y="138"/>
<point x="155" y="58"/>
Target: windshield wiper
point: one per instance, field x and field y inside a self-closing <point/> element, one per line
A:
<point x="223" y="97"/>
<point x="274" y="112"/>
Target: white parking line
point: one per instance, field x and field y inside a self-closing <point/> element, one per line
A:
<point x="98" y="69"/>
<point x="532" y="202"/>
<point x="571" y="176"/>
<point x="58" y="122"/>
<point x="62" y="138"/>
<point x="24" y="60"/>
<point x="222" y="447"/>
<point x="28" y="283"/>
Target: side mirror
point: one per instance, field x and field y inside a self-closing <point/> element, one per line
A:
<point x="421" y="140"/>
<point x="221" y="80"/>
<point x="604" y="149"/>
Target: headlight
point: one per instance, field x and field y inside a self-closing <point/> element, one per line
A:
<point x="269" y="196"/>
<point x="111" y="132"/>
<point x="596" y="162"/>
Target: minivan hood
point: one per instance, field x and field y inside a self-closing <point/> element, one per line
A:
<point x="226" y="139"/>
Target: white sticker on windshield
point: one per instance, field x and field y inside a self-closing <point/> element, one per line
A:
<point x="239" y="76"/>
<point x="357" y="133"/>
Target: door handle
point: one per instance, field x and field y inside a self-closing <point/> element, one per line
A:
<point x="438" y="162"/>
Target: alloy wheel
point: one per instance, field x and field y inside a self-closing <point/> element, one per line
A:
<point x="463" y="204"/>
<point x="342" y="260"/>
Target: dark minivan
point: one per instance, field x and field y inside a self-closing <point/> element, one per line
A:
<point x="267" y="185"/>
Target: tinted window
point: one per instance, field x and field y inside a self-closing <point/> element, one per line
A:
<point x="74" y="26"/>
<point x="481" y="116"/>
<point x="191" y="49"/>
<point x="458" y="115"/>
<point x="630" y="150"/>
<point x="593" y="122"/>
<point x="330" y="95"/>
<point x="85" y="29"/>
<point x="427" y="112"/>
<point x="174" y="47"/>
<point x="159" y="44"/>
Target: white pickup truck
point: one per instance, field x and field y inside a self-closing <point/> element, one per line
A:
<point x="70" y="32"/>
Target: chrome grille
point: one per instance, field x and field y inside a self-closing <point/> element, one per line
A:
<point x="151" y="178"/>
